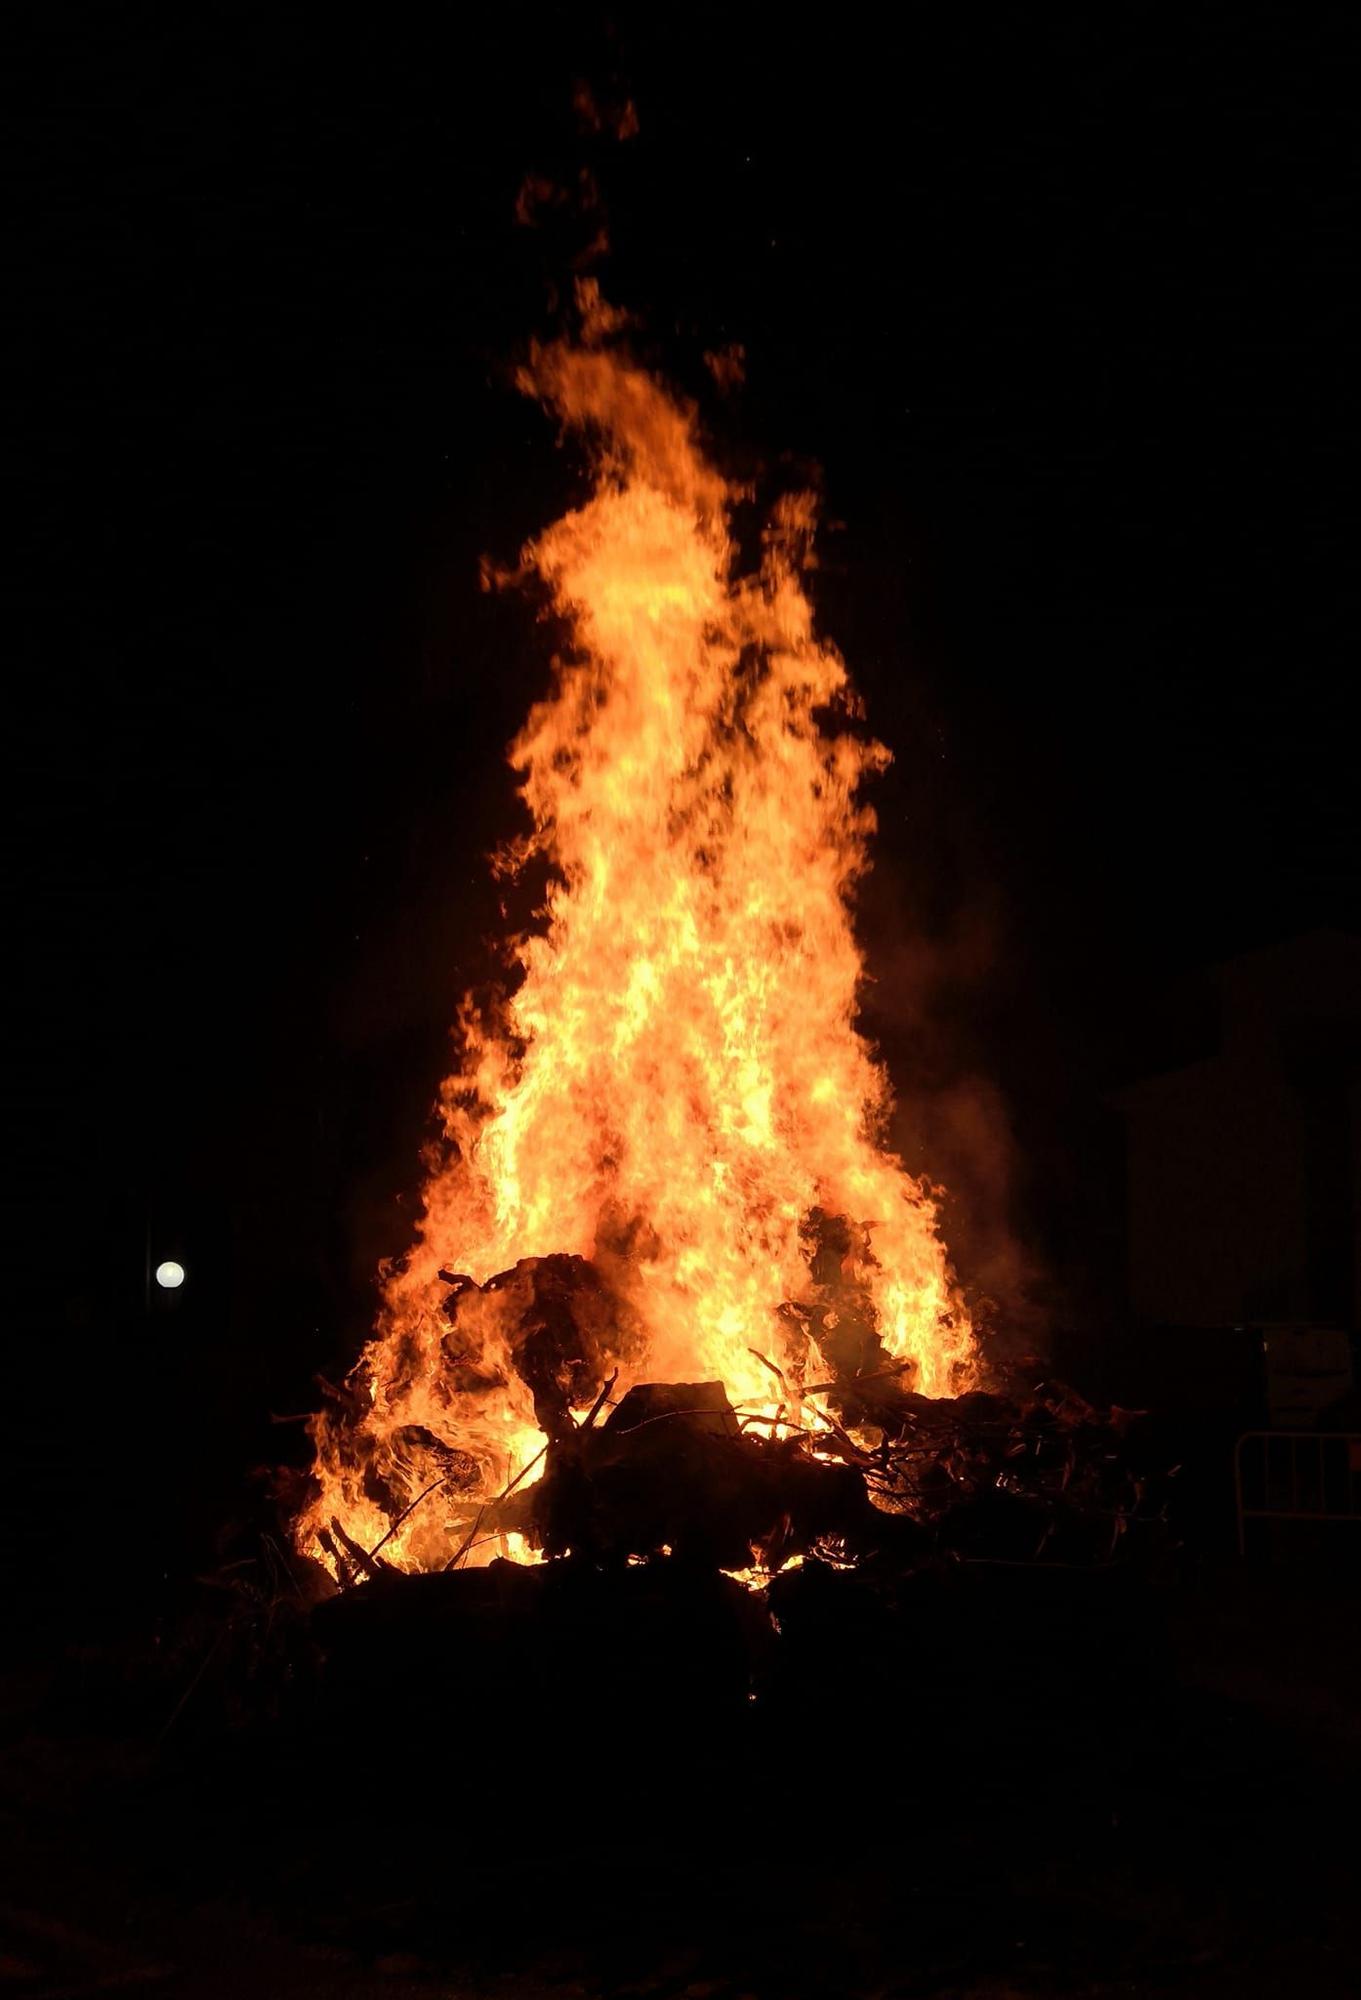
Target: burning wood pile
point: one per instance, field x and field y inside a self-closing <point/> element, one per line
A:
<point x="671" y="1290"/>
<point x="856" y="1467"/>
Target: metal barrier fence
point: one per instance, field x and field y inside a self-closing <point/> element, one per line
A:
<point x="1297" y="1476"/>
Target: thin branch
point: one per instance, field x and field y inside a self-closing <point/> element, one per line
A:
<point x="357" y="1555"/>
<point x="204" y="1665"/>
<point x="854" y="1381"/>
<point x="505" y="1494"/>
<point x="470" y="1539"/>
<point x="599" y="1403"/>
<point x="433" y="1487"/>
<point x="766" y="1362"/>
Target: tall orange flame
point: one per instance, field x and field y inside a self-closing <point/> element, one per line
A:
<point x="676" y="1085"/>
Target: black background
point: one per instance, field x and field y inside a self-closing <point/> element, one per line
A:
<point x="1063" y="304"/>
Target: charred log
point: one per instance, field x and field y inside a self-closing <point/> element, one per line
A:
<point x="673" y="1471"/>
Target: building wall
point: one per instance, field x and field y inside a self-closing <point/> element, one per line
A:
<point x="1244" y="1195"/>
<point x="1218" y="1228"/>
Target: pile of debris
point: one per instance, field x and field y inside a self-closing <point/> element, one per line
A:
<point x="853" y="1466"/>
<point x="674" y="1470"/>
<point x="708" y="1589"/>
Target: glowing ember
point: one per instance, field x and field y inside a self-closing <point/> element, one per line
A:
<point x="675" y="1089"/>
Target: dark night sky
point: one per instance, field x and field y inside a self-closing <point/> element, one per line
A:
<point x="1062" y="303"/>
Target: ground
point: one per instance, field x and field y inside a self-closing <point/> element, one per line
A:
<point x="1179" y="1821"/>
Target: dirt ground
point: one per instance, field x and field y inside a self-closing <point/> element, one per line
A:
<point x="1191" y="1829"/>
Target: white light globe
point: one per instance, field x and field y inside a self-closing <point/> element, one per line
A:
<point x="170" y="1275"/>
